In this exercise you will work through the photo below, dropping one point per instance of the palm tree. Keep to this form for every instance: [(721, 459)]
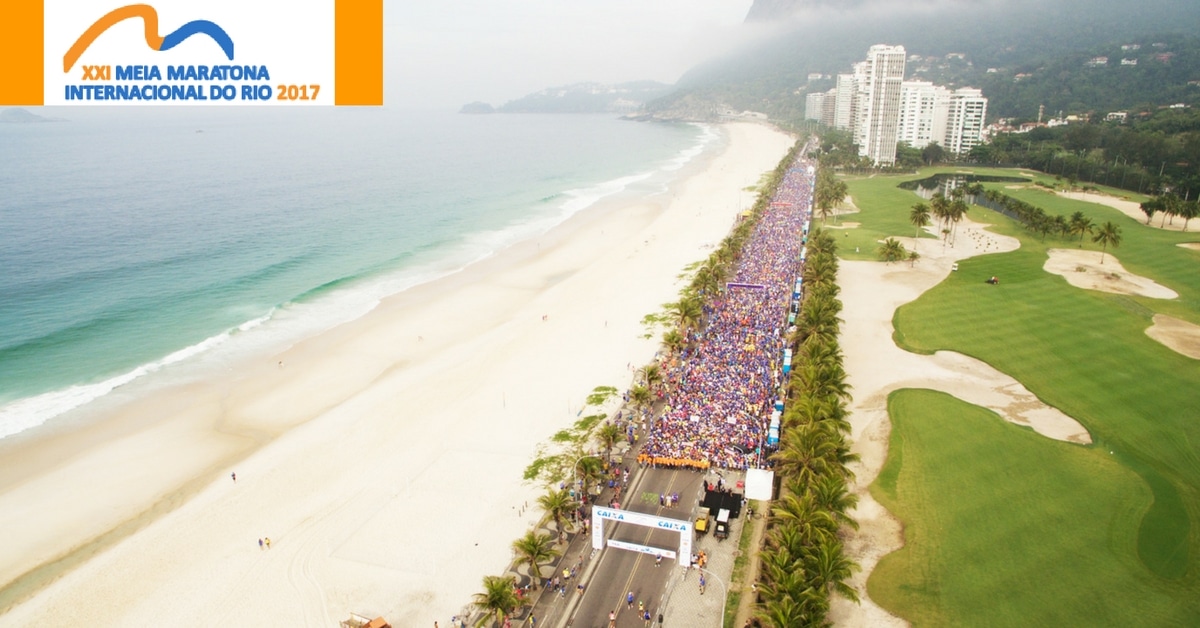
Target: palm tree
[(557, 505), (1059, 224), (891, 250), (1189, 210), (830, 493), (830, 569), (940, 207), (1151, 207), (788, 612), (608, 436), (1108, 234), (673, 341), (1081, 225), (919, 217), (687, 312), (805, 453), (913, 256), (640, 396), (499, 598), (591, 470), (652, 376), (958, 210), (532, 549)]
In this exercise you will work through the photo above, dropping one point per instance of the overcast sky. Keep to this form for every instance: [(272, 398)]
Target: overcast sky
[(446, 53)]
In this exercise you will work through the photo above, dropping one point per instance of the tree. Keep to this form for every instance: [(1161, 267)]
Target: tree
[(687, 312), (498, 599), (557, 505), (1081, 225), (652, 376), (608, 435), (831, 569), (919, 217), (641, 396), (591, 471), (673, 340), (1151, 207), (1189, 210), (932, 153), (1108, 234), (891, 250), (532, 549), (913, 256)]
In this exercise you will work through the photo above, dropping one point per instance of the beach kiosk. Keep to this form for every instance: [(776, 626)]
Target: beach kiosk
[(787, 361), (773, 430)]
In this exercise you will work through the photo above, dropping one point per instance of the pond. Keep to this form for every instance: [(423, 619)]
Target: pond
[(945, 182)]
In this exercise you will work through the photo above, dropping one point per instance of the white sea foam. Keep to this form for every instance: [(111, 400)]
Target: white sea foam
[(29, 412), (282, 326)]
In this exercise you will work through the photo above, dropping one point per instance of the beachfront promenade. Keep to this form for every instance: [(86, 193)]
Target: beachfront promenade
[(714, 419)]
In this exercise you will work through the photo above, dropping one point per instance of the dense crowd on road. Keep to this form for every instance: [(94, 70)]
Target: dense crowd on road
[(722, 386)]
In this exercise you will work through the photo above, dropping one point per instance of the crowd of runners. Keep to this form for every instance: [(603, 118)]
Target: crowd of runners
[(724, 386)]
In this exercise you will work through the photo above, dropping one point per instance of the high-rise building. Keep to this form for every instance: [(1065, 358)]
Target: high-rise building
[(829, 107), (923, 111), (814, 105), (964, 121), (844, 109), (880, 93)]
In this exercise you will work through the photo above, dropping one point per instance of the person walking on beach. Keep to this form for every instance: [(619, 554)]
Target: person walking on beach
[(268, 542), (234, 476), (260, 544)]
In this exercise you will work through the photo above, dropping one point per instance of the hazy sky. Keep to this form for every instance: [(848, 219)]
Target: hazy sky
[(449, 52)]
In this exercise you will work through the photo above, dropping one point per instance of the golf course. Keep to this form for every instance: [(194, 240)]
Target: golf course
[(1001, 525)]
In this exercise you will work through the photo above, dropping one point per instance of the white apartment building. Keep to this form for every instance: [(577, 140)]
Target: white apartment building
[(924, 108), (814, 104), (844, 110), (879, 103), (964, 121)]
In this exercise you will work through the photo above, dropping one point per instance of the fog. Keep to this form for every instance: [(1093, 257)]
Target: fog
[(443, 54)]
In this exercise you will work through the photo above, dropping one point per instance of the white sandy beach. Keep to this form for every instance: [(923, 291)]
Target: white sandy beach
[(383, 458)]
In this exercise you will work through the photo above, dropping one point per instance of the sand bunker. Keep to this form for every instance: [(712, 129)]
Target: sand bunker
[(1195, 246), (1083, 269), (1178, 335), (844, 225), (1129, 208)]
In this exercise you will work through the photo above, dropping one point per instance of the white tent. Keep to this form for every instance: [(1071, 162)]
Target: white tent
[(760, 484)]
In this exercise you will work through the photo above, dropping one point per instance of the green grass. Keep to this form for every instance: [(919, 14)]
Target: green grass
[(1086, 353), (1006, 528)]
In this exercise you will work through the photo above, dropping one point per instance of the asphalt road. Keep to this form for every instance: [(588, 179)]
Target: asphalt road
[(620, 571)]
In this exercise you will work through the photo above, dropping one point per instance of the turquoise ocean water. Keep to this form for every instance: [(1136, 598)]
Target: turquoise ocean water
[(137, 241)]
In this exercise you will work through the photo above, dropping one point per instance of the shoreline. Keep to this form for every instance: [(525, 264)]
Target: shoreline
[(331, 463)]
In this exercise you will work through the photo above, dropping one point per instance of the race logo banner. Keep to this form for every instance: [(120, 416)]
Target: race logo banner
[(191, 52)]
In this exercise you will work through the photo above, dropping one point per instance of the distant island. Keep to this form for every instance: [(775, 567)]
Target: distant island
[(477, 107), (17, 115), (622, 98)]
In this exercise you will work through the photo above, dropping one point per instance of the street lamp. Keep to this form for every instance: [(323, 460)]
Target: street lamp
[(724, 593), (575, 471)]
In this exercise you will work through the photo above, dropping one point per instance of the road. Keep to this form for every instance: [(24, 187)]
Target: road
[(620, 571)]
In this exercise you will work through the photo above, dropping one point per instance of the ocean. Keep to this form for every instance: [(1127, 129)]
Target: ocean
[(135, 242)]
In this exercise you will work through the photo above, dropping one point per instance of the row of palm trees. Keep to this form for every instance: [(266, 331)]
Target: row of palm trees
[(1037, 220), (1173, 206), (498, 598), (828, 193), (804, 560)]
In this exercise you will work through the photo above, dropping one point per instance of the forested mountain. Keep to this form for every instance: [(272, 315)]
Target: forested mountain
[(1049, 40)]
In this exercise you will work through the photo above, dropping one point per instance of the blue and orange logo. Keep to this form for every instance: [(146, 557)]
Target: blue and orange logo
[(150, 19)]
